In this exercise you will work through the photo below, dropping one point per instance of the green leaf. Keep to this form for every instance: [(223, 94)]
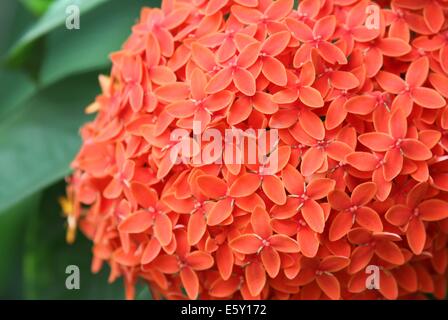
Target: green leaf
[(16, 87), (28, 57), (54, 17), (12, 230), (47, 256), (14, 20), (38, 142), (38, 7), (143, 292), (101, 32)]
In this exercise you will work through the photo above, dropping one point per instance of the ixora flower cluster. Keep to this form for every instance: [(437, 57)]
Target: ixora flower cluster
[(356, 90)]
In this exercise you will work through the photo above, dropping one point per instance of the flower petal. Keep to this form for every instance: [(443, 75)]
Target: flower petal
[(273, 187), (255, 278), (433, 210), (151, 251), (362, 161), (283, 243), (428, 98), (341, 225), (363, 193), (244, 81), (299, 30), (329, 285), (393, 47), (390, 252), (369, 219), (196, 228), (136, 223), (163, 229), (190, 282), (393, 164), (271, 261), (221, 80), (416, 235), (246, 244), (274, 71), (244, 185), (313, 214), (199, 260), (261, 222), (219, 212), (390, 82), (311, 97), (312, 160), (308, 242), (319, 188), (224, 261), (415, 150), (417, 72), (376, 141)]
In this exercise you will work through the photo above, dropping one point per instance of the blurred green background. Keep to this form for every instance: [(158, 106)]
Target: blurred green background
[(48, 75)]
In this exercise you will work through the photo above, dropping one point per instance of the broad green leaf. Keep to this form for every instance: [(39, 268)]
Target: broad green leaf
[(16, 87), (12, 230), (38, 7), (54, 17), (143, 292), (39, 140), (47, 257), (7, 13), (28, 59), (14, 20), (101, 32)]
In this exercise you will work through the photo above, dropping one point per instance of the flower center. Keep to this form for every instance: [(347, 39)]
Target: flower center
[(398, 143), (322, 144), (416, 212), (304, 197), (265, 243), (197, 103), (317, 40)]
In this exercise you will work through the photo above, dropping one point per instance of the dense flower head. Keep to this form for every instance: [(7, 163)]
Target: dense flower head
[(357, 90)]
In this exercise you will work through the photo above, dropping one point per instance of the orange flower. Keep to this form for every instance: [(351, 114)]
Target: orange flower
[(317, 39), (356, 178), (322, 272), (413, 214), (369, 243), (200, 107), (264, 243), (236, 71), (410, 90), (396, 145), (353, 209), (432, 12)]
